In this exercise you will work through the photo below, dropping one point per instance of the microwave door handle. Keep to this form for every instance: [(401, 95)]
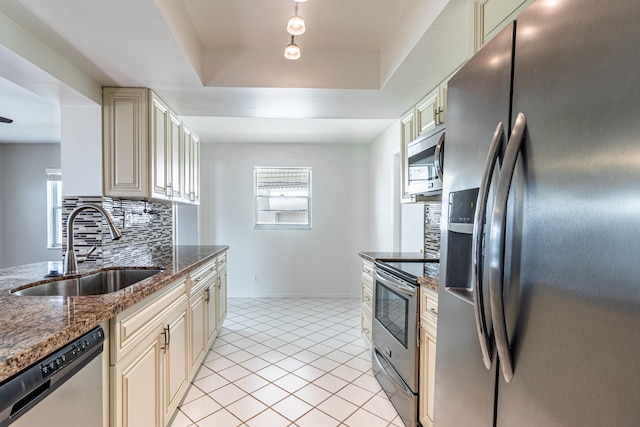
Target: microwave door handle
[(438, 157), (404, 289), (478, 237), (497, 247)]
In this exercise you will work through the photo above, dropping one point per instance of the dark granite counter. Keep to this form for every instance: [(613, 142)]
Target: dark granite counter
[(424, 280), (394, 256), (31, 327)]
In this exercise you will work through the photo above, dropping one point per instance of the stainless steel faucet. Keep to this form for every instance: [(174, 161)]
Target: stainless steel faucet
[(70, 261)]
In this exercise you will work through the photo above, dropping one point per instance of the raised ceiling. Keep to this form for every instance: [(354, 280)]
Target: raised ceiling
[(220, 64)]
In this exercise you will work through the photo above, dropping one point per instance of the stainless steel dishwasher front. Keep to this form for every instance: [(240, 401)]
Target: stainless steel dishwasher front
[(63, 389)]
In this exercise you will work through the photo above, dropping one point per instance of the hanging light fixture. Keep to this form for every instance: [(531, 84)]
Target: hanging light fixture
[(292, 51), (295, 26)]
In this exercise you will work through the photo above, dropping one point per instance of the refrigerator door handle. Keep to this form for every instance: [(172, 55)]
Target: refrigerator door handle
[(478, 245), (438, 156), (497, 245)]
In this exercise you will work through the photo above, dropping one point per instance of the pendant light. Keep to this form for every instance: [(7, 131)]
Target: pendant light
[(292, 51), (295, 26)]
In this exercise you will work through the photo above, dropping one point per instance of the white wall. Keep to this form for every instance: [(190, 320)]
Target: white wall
[(384, 188), (394, 227), (81, 136), (412, 227), (321, 262), (24, 207)]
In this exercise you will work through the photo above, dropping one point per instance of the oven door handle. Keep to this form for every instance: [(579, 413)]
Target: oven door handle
[(394, 283)]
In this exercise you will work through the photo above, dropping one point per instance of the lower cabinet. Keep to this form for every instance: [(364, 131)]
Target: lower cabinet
[(157, 345), (428, 334), (136, 386), (149, 363), (366, 299), (202, 311), (221, 291)]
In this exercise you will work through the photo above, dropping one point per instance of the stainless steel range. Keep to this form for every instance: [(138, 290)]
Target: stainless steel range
[(396, 295)]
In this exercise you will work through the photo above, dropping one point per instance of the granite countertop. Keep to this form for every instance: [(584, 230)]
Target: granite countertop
[(395, 256), (430, 282), (31, 327)]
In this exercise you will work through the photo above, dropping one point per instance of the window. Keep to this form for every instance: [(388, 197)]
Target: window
[(54, 208), (282, 198)]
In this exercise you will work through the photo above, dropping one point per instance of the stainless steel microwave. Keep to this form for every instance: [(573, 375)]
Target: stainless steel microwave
[(423, 171)]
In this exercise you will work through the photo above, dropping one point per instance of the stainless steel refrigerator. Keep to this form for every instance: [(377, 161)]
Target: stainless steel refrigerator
[(539, 301)]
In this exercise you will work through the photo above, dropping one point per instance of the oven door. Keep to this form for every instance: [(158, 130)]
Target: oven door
[(395, 325)]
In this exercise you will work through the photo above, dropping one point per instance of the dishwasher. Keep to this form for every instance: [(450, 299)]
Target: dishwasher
[(64, 388)]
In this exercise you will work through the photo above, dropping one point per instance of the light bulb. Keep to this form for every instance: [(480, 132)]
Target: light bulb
[(292, 51), (295, 26)]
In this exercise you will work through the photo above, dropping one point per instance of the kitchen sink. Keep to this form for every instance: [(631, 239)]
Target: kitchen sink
[(102, 282)]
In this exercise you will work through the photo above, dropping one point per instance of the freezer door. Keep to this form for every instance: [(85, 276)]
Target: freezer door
[(478, 99), (573, 296)]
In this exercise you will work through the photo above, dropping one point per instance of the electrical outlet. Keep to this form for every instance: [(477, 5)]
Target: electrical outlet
[(128, 219), (256, 278)]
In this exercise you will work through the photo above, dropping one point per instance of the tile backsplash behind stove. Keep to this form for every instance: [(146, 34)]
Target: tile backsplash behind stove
[(432, 215), (146, 228)]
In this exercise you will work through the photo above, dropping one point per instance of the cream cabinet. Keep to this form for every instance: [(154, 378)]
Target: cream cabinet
[(221, 290), (147, 151), (203, 312), (428, 334), (491, 16), (166, 146), (149, 358), (429, 113), (191, 172), (366, 289)]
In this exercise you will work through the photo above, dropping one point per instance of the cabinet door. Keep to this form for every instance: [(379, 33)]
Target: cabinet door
[(221, 294), (198, 306), (125, 165), (427, 373), (136, 388), (187, 174), (175, 359), (212, 312), (491, 16), (177, 152), (195, 169), (427, 112), (160, 148)]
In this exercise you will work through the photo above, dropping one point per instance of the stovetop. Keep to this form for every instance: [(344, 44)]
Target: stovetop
[(407, 270)]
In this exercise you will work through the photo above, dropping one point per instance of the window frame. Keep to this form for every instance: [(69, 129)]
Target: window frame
[(285, 225)]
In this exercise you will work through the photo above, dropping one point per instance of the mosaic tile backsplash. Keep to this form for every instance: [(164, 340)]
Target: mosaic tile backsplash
[(432, 216), (146, 227)]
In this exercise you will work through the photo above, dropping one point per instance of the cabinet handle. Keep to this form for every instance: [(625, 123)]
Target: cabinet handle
[(167, 337), (367, 299), (169, 191), (208, 292)]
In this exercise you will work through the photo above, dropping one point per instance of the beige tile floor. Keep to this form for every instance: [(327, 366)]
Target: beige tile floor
[(288, 362)]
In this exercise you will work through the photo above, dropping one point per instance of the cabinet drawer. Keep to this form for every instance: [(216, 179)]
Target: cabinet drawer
[(367, 268), (428, 305), (365, 326), (367, 296), (202, 276), (222, 260), (136, 323)]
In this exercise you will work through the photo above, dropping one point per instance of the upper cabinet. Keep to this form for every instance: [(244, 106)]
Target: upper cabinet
[(429, 113), (147, 150), (491, 16)]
